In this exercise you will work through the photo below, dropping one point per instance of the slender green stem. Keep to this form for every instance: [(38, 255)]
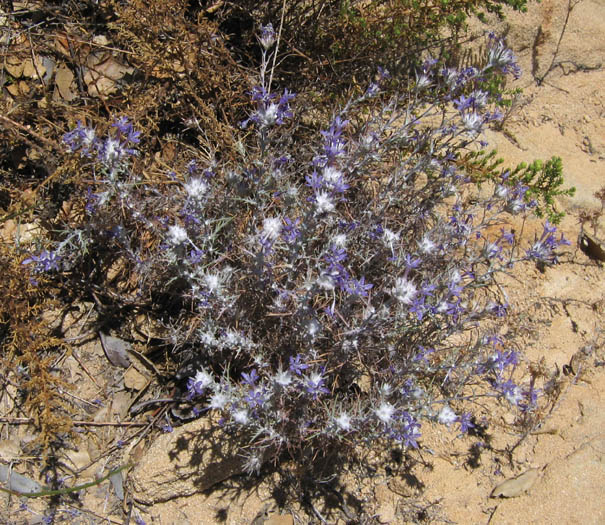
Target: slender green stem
[(68, 490)]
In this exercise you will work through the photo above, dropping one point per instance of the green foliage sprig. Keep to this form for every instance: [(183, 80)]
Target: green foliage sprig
[(543, 178)]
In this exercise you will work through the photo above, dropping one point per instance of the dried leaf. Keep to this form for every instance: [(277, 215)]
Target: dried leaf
[(116, 350), (14, 66), (4, 23), (49, 65), (64, 79), (34, 69), (28, 232), (118, 484), (62, 44), (137, 453), (71, 46), (9, 449), (120, 403), (18, 89), (100, 40), (514, 487), (134, 380), (79, 458), (18, 482), (103, 72), (110, 67)]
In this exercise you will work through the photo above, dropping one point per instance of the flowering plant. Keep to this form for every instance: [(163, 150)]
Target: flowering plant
[(333, 291)]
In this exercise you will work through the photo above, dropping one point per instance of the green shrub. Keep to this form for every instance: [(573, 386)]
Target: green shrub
[(336, 41)]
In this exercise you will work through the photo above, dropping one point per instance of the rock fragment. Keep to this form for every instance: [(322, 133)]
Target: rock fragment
[(514, 487)]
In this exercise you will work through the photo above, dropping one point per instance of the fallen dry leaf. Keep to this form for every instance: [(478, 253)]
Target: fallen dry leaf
[(13, 90), (103, 72), (514, 487), (23, 232), (18, 482), (100, 40), (117, 481), (116, 350), (120, 403), (14, 66), (62, 44), (3, 22), (34, 69), (18, 89), (9, 450), (71, 46), (64, 79), (79, 458), (134, 380), (137, 452)]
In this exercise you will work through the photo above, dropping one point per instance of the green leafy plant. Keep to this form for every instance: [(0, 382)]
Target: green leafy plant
[(338, 41), (544, 179)]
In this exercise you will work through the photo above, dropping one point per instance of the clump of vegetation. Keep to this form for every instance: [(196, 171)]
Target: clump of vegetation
[(330, 42), (312, 292), (318, 274), (27, 347)]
